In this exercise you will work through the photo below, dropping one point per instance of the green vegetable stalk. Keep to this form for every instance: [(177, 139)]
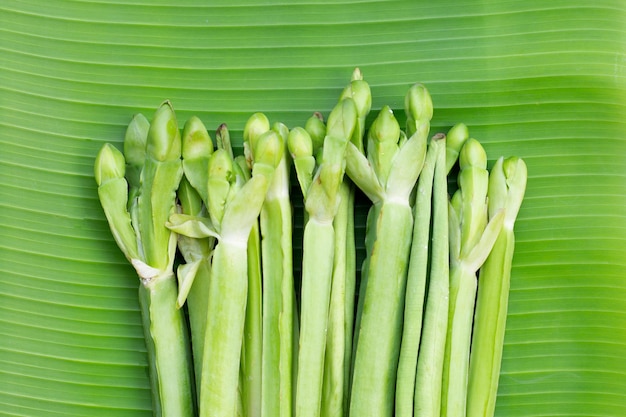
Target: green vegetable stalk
[(507, 185), (427, 401), (320, 187), (250, 378), (338, 359), (233, 208), (416, 285), (150, 247), (194, 275), (471, 240), (387, 176), (278, 285)]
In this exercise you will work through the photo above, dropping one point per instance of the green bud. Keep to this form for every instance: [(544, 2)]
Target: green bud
[(472, 155), (256, 125), (317, 130), (282, 130), (512, 167), (135, 140), (359, 91), (268, 149), (385, 127), (507, 186), (456, 137), (342, 119), (418, 104), (196, 142), (299, 143), (164, 141), (220, 178), (109, 165)]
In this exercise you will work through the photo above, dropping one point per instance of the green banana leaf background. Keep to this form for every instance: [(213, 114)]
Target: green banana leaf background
[(541, 79)]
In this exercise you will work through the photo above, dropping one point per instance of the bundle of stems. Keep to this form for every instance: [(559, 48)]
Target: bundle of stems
[(471, 241), (387, 176), (320, 181), (507, 185), (153, 153), (234, 203), (338, 355), (426, 335)]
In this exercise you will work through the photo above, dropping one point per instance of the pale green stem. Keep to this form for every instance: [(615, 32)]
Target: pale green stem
[(169, 356), (317, 266), (463, 287), (433, 340), (197, 254), (350, 299), (224, 334), (378, 344), (489, 327), (278, 297), (416, 287), (335, 375), (252, 344), (507, 185)]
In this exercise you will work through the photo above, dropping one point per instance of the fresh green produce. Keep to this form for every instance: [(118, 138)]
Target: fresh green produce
[(387, 176), (507, 185), (150, 247), (233, 206), (425, 337), (433, 340), (321, 201), (416, 285), (278, 305), (471, 240), (338, 359)]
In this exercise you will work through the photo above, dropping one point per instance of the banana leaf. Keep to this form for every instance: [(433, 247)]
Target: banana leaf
[(541, 79)]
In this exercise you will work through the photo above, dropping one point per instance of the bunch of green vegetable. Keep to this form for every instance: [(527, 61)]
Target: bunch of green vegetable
[(232, 330)]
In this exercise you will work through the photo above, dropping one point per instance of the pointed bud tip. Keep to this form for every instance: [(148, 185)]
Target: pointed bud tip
[(385, 128), (135, 140), (457, 136), (268, 149), (472, 154), (514, 166), (316, 130), (196, 142), (256, 125), (164, 142), (110, 164), (299, 143), (342, 119), (418, 103)]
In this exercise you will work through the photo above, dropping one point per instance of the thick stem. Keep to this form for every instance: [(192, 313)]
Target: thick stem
[(416, 288), (378, 345), (197, 308), (334, 367), (169, 356), (278, 301), (317, 269), (463, 287), (489, 327), (433, 341), (228, 290)]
